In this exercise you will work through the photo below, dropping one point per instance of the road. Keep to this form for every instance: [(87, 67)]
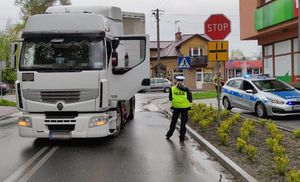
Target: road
[(139, 153)]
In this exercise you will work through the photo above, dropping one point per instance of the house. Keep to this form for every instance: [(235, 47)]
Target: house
[(201, 72)]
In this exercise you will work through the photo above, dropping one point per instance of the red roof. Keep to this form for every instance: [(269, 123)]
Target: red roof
[(240, 64)]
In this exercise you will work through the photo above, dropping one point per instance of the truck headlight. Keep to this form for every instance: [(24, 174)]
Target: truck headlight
[(98, 121), (275, 101), (25, 121)]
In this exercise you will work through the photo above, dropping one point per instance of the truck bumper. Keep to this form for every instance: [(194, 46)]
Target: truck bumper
[(63, 128)]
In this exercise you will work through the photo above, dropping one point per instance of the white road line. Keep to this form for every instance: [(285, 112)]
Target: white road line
[(14, 176), (38, 165)]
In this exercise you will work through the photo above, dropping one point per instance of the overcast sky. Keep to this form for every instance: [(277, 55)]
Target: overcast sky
[(191, 14)]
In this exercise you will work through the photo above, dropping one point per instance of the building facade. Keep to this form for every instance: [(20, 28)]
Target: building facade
[(237, 68), (274, 24), (201, 73)]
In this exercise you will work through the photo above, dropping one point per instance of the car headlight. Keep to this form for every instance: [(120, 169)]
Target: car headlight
[(98, 121), (275, 101), (25, 121)]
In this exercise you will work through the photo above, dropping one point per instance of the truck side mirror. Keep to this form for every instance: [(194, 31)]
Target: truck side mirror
[(114, 58), (13, 49), (115, 43)]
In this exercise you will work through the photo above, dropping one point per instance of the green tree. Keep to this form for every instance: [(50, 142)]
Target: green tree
[(32, 7)]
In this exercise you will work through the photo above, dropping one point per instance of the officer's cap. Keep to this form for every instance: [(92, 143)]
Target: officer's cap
[(179, 78)]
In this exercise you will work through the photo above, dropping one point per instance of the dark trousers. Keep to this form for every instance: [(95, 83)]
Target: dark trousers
[(184, 120)]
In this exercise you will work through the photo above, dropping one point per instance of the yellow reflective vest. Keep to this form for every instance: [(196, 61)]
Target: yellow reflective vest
[(179, 98)]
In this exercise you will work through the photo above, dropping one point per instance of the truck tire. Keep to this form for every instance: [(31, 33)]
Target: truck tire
[(132, 108), (119, 121)]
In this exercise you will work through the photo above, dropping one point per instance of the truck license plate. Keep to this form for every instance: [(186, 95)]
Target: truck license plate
[(296, 108), (60, 135)]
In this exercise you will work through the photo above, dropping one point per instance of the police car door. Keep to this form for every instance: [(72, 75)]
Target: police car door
[(248, 95), (133, 66), (234, 93)]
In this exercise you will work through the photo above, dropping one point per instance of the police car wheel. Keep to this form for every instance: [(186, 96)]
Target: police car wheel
[(226, 103), (260, 110), (167, 90)]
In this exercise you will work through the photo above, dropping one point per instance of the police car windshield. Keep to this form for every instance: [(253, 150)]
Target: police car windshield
[(272, 85)]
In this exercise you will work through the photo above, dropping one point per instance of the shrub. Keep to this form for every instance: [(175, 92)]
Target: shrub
[(263, 122), (204, 124), (293, 176), (278, 136), (236, 117), (224, 113), (271, 142), (244, 132), (281, 164), (250, 151), (240, 144), (278, 150), (224, 128), (296, 132), (272, 128), (223, 138)]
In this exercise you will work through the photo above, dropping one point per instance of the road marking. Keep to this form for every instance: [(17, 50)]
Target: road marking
[(14, 176), (38, 165)]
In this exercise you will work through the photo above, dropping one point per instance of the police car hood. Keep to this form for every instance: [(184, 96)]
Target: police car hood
[(292, 94)]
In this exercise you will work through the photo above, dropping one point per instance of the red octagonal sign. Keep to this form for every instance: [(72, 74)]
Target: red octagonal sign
[(217, 27)]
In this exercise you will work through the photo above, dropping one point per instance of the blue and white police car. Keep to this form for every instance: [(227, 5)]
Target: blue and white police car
[(261, 94)]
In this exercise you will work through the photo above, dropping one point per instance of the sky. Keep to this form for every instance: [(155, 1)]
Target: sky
[(191, 15)]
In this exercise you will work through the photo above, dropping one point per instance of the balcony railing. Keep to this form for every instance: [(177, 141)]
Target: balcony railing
[(200, 62)]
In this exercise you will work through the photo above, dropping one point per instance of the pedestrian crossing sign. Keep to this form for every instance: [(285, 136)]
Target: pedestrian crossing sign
[(184, 62)]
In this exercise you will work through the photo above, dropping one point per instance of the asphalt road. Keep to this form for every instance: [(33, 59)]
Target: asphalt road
[(140, 153)]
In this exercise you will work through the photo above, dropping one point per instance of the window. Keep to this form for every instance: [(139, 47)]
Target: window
[(247, 86), (195, 52), (67, 54), (235, 84)]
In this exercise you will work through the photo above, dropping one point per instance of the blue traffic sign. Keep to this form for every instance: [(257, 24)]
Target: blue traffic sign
[(184, 62)]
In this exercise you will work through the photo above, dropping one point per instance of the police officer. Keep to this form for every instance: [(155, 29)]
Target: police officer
[(181, 98)]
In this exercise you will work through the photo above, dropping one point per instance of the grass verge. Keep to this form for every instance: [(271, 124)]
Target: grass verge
[(204, 95), (4, 102)]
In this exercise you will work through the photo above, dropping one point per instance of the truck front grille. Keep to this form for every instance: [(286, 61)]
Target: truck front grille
[(66, 96), (55, 96)]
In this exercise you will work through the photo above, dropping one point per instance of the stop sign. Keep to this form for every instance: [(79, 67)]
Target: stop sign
[(217, 27)]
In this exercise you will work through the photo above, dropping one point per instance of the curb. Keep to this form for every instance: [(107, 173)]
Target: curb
[(4, 121), (232, 167)]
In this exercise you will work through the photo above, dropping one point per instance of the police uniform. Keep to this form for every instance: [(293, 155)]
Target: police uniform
[(181, 98)]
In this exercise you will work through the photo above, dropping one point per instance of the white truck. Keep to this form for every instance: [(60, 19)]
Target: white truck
[(79, 70)]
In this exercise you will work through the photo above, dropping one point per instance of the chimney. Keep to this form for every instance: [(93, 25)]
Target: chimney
[(177, 35)]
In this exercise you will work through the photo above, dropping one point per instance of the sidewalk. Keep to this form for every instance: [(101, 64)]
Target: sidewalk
[(6, 110)]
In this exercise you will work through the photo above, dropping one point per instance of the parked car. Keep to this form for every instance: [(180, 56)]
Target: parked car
[(3, 88), (159, 84), (261, 94)]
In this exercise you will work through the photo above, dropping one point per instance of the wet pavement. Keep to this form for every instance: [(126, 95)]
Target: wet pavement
[(139, 153)]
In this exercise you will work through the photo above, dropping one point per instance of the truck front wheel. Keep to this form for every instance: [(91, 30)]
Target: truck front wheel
[(132, 108)]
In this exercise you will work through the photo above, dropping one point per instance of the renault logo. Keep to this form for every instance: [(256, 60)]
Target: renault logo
[(60, 106)]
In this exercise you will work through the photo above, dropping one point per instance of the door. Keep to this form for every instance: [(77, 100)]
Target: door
[(126, 78), (249, 99), (199, 79)]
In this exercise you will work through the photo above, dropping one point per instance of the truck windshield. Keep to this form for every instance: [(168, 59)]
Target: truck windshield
[(66, 54)]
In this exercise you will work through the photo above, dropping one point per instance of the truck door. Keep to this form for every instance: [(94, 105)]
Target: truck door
[(125, 78)]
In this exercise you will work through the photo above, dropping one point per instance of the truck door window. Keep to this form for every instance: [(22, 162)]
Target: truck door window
[(131, 52)]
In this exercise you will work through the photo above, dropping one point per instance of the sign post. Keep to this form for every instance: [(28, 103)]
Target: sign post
[(217, 27)]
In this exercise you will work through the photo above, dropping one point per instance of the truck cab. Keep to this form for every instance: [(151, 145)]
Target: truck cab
[(79, 70)]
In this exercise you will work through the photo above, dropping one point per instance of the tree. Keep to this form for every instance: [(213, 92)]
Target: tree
[(237, 55), (32, 7)]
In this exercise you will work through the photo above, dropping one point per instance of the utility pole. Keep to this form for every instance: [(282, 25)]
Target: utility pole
[(156, 14)]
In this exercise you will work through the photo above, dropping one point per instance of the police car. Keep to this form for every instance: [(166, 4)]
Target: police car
[(261, 94)]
